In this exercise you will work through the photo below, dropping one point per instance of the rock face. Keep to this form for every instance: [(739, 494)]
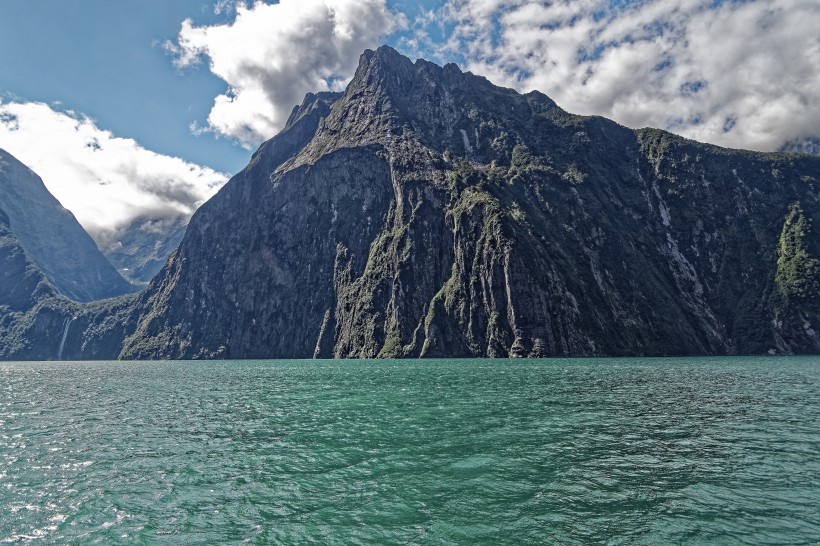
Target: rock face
[(52, 237), (38, 323), (22, 284), (426, 212), (22, 287)]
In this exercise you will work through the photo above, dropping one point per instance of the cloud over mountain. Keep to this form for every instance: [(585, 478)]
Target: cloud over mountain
[(734, 73), (106, 181), (270, 55)]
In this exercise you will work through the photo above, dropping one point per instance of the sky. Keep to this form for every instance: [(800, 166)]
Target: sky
[(144, 108)]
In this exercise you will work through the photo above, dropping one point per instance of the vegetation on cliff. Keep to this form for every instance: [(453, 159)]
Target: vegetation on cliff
[(426, 212)]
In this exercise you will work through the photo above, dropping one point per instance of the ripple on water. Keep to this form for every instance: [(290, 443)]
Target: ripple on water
[(462, 452)]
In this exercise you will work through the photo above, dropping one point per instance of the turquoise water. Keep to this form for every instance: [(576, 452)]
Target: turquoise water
[(643, 451)]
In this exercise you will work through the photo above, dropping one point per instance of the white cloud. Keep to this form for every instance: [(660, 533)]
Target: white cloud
[(741, 74), (227, 6), (106, 181), (270, 55)]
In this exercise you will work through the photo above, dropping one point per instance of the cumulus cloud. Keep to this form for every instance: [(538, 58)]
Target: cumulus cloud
[(734, 73), (106, 181), (270, 55)]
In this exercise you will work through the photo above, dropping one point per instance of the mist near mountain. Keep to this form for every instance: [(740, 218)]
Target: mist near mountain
[(53, 238), (141, 248)]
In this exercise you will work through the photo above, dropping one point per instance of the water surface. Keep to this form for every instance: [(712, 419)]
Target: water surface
[(627, 451)]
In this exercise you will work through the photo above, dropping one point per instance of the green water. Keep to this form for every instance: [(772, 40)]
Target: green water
[(643, 451)]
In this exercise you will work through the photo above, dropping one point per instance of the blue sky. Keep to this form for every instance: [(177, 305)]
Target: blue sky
[(106, 60), (143, 109)]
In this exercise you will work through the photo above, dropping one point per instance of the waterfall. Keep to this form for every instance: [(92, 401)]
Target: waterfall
[(66, 325)]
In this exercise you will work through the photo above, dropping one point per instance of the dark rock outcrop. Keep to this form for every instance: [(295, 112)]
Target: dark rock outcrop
[(426, 212), (430, 213)]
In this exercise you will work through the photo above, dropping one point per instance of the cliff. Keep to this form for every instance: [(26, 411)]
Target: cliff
[(427, 212)]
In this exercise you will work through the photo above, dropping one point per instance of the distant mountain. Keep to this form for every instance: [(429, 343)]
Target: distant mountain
[(426, 212), (804, 146), (142, 248), (38, 323), (53, 238)]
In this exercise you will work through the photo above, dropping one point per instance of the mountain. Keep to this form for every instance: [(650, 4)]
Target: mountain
[(809, 145), (22, 287), (39, 323), (23, 284), (427, 212), (52, 237), (142, 248)]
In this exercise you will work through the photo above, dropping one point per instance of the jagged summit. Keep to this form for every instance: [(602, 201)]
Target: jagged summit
[(388, 61), (311, 103), (392, 101), (425, 212)]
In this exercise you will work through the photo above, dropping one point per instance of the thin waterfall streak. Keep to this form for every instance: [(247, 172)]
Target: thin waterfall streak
[(66, 326)]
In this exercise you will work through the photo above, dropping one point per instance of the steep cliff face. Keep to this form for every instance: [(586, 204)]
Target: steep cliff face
[(22, 284), (426, 212), (24, 290), (53, 238)]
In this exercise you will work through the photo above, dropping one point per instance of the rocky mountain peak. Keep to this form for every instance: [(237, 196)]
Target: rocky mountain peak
[(383, 68), (396, 74), (403, 106), (426, 212), (311, 103)]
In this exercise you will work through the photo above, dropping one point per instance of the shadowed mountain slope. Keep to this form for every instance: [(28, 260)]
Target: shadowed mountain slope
[(38, 323), (53, 238), (426, 212)]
